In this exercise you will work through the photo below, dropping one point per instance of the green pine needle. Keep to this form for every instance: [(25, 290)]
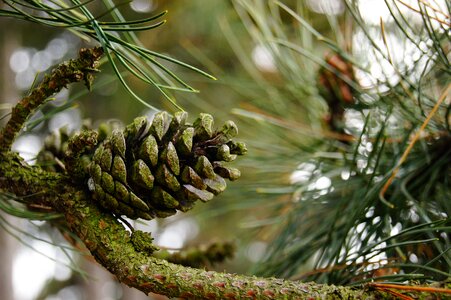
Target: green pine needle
[(329, 223), (117, 37)]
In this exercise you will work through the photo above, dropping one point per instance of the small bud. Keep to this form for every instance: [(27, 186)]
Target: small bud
[(104, 130), (142, 241)]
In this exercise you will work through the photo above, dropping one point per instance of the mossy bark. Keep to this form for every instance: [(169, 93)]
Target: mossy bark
[(111, 245), (76, 70)]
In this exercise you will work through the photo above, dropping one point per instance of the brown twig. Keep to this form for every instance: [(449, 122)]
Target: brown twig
[(426, 289), (396, 294), (410, 146)]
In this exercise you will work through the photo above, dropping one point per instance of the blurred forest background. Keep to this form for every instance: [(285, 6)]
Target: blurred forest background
[(323, 91)]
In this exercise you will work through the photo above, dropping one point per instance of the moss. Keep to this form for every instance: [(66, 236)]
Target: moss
[(23, 180), (128, 257), (143, 242), (72, 71)]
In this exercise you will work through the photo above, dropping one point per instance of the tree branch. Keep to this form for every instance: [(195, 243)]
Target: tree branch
[(110, 243), (76, 70)]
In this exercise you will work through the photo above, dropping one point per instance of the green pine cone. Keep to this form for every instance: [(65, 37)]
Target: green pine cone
[(154, 168)]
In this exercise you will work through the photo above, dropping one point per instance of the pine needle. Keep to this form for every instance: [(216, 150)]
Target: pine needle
[(411, 144)]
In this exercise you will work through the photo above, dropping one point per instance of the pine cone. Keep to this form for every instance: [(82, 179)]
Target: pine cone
[(51, 156), (152, 169)]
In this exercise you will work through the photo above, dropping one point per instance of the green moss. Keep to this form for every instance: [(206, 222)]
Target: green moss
[(128, 257), (143, 242), (72, 71)]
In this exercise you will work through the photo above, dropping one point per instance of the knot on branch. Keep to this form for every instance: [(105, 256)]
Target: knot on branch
[(77, 70), (201, 256)]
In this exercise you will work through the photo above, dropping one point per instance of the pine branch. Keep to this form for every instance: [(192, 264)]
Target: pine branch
[(359, 225), (110, 243), (123, 48), (77, 70)]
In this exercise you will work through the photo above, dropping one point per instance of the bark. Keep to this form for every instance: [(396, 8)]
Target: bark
[(73, 71), (111, 244)]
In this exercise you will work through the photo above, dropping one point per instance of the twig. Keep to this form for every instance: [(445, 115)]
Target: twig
[(75, 70), (412, 143), (396, 294), (436, 18), (426, 289)]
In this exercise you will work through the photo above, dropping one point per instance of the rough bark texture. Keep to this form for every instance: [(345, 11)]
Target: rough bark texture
[(110, 244), (73, 71), (106, 238)]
